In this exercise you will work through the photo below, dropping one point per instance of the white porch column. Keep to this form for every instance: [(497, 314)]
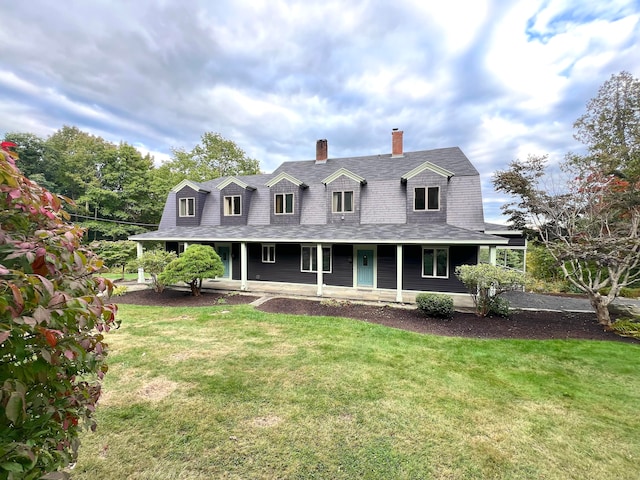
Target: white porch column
[(139, 252), (492, 254), (319, 265), (399, 273), (243, 266)]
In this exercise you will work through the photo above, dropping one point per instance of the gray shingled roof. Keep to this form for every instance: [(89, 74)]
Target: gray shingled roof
[(406, 234), (380, 167), (371, 167)]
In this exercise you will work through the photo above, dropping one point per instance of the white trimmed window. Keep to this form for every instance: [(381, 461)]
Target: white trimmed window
[(187, 207), (268, 253), (342, 202), (283, 203), (426, 198), (232, 205), (309, 259), (435, 262)]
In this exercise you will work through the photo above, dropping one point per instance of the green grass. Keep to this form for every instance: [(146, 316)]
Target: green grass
[(230, 392), (113, 276)]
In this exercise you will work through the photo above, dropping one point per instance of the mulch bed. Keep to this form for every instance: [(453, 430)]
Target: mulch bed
[(182, 298), (540, 325)]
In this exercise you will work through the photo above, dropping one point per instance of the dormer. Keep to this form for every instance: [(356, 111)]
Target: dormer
[(285, 199), (190, 198), (235, 200), (426, 192), (343, 189)]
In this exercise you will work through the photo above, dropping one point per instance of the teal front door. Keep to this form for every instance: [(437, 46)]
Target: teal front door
[(224, 254), (365, 268)]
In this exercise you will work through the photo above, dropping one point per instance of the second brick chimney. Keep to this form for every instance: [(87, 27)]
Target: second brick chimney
[(396, 143), (322, 151)]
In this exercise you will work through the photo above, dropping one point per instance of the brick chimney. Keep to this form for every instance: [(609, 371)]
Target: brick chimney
[(396, 143), (322, 151)]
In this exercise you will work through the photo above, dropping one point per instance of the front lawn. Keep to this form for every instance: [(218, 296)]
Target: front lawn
[(230, 392)]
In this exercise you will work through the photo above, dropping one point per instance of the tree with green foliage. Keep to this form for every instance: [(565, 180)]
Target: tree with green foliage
[(213, 157), (115, 254), (78, 156), (154, 262), (541, 265), (591, 225), (122, 195), (196, 263), (53, 318), (485, 283), (34, 159)]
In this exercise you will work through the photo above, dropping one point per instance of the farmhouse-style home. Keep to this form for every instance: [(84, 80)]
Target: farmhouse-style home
[(401, 221)]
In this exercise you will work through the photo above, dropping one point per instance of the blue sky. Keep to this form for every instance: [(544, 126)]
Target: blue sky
[(500, 79)]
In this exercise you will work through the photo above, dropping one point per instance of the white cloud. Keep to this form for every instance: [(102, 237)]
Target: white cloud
[(499, 79)]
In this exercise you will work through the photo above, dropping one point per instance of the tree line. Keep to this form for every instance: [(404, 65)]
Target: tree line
[(115, 190)]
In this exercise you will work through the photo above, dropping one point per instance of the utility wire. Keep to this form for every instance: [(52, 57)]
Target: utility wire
[(113, 221)]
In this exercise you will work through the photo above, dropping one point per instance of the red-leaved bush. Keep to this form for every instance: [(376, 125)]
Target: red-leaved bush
[(53, 315)]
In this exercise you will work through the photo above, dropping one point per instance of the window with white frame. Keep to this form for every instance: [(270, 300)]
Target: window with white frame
[(283, 203), (309, 259), (187, 207), (426, 198), (342, 202), (435, 262), (268, 253), (232, 205)]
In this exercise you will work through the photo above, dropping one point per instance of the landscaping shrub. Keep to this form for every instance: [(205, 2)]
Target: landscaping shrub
[(154, 262), (629, 292), (626, 327), (435, 305), (499, 307), (54, 313), (486, 282)]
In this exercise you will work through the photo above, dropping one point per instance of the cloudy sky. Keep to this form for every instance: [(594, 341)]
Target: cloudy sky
[(499, 78)]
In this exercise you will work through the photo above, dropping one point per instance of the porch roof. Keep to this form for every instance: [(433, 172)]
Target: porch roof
[(433, 234)]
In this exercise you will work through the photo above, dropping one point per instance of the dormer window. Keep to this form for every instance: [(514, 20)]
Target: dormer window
[(342, 202), (187, 207), (283, 203), (426, 198), (232, 205)]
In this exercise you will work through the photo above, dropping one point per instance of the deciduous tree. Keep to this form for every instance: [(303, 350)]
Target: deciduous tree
[(213, 157), (590, 223), (154, 262), (115, 254)]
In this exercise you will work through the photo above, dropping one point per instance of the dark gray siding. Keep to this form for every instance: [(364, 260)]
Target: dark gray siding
[(245, 195), (200, 197), (412, 270), (285, 269), (341, 266), (285, 186), (387, 267), (235, 261)]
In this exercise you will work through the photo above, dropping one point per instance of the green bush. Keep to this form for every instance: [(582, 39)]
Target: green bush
[(486, 282), (629, 292), (195, 264), (435, 305), (499, 307), (626, 327)]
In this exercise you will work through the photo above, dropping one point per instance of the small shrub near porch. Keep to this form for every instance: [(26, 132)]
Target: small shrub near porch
[(435, 305)]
